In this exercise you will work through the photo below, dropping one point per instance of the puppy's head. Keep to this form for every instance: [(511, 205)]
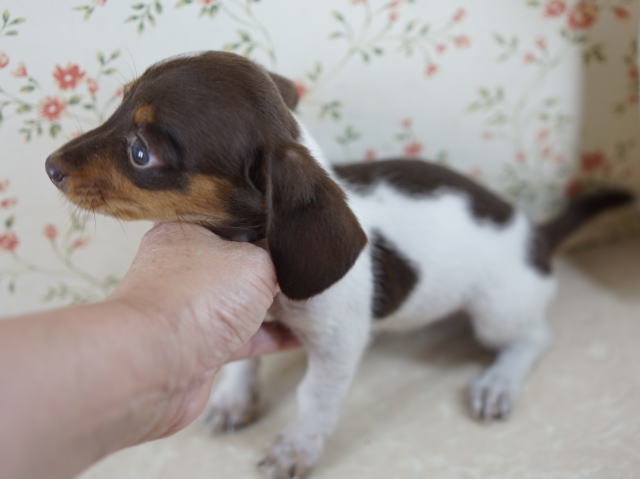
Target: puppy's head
[(209, 139)]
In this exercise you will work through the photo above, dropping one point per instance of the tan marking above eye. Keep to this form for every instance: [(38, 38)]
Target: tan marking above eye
[(144, 115)]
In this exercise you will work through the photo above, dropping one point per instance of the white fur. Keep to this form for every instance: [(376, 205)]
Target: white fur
[(463, 264)]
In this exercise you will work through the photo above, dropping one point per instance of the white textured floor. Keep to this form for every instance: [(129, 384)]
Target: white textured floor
[(406, 416)]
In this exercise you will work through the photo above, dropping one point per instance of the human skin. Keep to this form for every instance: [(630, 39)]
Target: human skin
[(79, 383)]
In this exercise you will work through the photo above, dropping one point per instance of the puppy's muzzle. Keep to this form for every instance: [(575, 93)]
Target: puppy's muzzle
[(55, 171)]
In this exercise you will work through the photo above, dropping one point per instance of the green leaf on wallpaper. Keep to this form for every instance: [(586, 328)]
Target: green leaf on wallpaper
[(499, 38), (182, 3), (109, 71), (140, 28), (8, 223), (11, 33), (410, 26), (5, 16), (17, 21), (115, 54), (338, 16), (54, 130), (88, 106), (11, 287), (244, 35), (335, 35), (75, 99), (158, 8), (365, 56), (138, 6), (378, 50), (27, 89), (152, 19), (424, 30), (131, 19)]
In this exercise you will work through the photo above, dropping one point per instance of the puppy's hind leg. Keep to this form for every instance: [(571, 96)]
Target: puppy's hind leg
[(520, 336), (234, 401)]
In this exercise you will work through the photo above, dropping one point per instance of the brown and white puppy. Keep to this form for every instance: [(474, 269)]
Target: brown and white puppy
[(211, 139)]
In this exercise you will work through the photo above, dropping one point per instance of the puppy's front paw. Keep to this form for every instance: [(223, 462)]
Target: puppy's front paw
[(291, 458), (226, 413), (492, 395)]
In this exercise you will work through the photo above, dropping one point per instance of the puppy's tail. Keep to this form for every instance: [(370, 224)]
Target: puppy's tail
[(579, 212)]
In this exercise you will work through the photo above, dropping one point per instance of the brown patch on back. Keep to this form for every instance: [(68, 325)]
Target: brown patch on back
[(144, 115), (394, 276), (101, 187), (417, 177)]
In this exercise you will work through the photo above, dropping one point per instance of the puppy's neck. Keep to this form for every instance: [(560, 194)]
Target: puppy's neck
[(306, 140)]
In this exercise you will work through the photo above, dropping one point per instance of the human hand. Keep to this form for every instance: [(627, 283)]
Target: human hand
[(205, 299)]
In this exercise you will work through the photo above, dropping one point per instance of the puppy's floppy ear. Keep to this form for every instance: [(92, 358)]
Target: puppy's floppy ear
[(287, 90), (313, 236)]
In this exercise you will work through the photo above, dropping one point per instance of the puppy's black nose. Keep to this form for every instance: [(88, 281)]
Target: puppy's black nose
[(55, 172)]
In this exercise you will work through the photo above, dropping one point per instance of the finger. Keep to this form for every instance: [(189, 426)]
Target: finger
[(271, 338)]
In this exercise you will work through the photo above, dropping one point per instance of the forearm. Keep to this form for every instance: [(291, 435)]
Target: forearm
[(107, 355)]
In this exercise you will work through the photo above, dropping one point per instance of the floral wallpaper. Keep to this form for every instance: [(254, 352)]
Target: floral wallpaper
[(536, 98)]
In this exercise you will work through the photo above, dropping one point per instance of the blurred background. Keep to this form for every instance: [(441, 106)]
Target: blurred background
[(537, 98)]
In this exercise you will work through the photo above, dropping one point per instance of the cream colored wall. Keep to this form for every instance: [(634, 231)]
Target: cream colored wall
[(536, 98)]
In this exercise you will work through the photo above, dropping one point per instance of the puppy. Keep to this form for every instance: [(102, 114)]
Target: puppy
[(396, 244)]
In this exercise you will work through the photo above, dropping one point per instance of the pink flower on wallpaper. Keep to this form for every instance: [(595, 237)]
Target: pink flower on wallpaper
[(621, 12), (554, 8), (560, 159), (120, 92), (21, 71), (521, 157), (573, 188), (393, 16), (431, 69), (92, 86), (413, 149), (370, 154), (207, 2), (4, 184), (459, 15), (80, 243), (633, 73), (4, 59), (441, 48), (52, 108), (632, 100), (591, 161), (9, 241), (355, 2), (461, 41), (301, 88), (529, 57), (407, 123), (583, 15), (543, 134), (487, 135), (50, 232), (100, 3), (68, 78), (541, 43), (475, 172), (8, 203)]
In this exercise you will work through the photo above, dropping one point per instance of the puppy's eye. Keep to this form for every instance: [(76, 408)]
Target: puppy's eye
[(140, 155)]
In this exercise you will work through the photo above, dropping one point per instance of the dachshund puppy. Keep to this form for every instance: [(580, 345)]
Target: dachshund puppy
[(396, 244)]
